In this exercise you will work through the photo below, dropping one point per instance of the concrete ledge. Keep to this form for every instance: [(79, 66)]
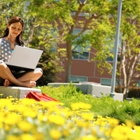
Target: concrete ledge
[(16, 92), (84, 87), (95, 89), (117, 96)]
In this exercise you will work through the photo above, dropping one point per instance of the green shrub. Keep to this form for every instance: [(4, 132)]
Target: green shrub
[(104, 106)]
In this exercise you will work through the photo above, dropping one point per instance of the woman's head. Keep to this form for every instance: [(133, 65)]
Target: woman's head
[(15, 29)]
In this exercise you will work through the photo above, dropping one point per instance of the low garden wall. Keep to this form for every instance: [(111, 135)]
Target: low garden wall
[(97, 90)]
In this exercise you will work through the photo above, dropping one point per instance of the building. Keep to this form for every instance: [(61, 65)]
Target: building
[(84, 70)]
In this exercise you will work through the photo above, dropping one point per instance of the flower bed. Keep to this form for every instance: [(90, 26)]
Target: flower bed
[(27, 119)]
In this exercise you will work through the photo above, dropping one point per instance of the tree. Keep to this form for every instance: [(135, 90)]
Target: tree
[(37, 34), (64, 15), (55, 21), (96, 22), (51, 23), (129, 51)]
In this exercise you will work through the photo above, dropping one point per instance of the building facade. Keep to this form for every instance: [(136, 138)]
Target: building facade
[(84, 70)]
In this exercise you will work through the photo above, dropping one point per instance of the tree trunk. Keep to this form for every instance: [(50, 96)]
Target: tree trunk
[(119, 66), (31, 33), (129, 74), (69, 60)]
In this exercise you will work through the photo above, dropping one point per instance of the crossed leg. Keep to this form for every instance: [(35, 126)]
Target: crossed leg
[(27, 80), (8, 83), (31, 77)]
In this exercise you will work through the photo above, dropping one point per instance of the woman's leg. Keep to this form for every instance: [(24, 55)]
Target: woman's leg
[(6, 74), (31, 76)]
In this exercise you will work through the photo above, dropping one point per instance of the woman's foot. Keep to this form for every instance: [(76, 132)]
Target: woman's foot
[(30, 84), (6, 83), (33, 84)]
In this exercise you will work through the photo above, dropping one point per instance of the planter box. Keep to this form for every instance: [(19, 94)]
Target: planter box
[(16, 92), (95, 89)]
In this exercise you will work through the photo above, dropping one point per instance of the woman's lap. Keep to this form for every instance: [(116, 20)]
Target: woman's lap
[(18, 74)]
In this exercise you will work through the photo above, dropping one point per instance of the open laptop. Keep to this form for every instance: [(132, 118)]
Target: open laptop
[(24, 58)]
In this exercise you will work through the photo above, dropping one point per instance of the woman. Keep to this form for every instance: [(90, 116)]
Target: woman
[(13, 36)]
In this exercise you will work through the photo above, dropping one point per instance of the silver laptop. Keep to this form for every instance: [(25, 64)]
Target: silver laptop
[(24, 58)]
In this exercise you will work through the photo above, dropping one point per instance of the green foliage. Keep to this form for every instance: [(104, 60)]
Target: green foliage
[(51, 23), (104, 106), (130, 40), (38, 33)]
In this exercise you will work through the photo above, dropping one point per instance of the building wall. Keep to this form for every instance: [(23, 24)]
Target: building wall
[(83, 68)]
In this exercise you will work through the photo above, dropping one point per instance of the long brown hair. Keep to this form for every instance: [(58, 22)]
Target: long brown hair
[(14, 20)]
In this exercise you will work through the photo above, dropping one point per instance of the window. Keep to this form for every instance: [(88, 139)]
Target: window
[(82, 1), (53, 47), (54, 42), (111, 45), (80, 51), (77, 79), (107, 81), (138, 84), (77, 54)]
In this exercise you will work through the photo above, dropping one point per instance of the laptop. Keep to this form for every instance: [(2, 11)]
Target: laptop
[(24, 58)]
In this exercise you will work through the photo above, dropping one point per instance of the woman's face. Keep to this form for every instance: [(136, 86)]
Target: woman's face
[(15, 29)]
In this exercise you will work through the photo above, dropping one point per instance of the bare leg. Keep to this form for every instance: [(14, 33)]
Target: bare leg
[(8, 83), (5, 73), (30, 76)]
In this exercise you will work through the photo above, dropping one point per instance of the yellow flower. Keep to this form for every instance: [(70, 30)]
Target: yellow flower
[(56, 119), (87, 116), (89, 137), (113, 122), (42, 117), (137, 129), (12, 118), (130, 123), (28, 102), (121, 132), (25, 126), (12, 137), (101, 121), (67, 113), (2, 117), (39, 136), (82, 124), (7, 127), (66, 132), (50, 104), (93, 131), (136, 132), (55, 134), (4, 102), (1, 125), (30, 112), (12, 107), (80, 105), (27, 137)]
